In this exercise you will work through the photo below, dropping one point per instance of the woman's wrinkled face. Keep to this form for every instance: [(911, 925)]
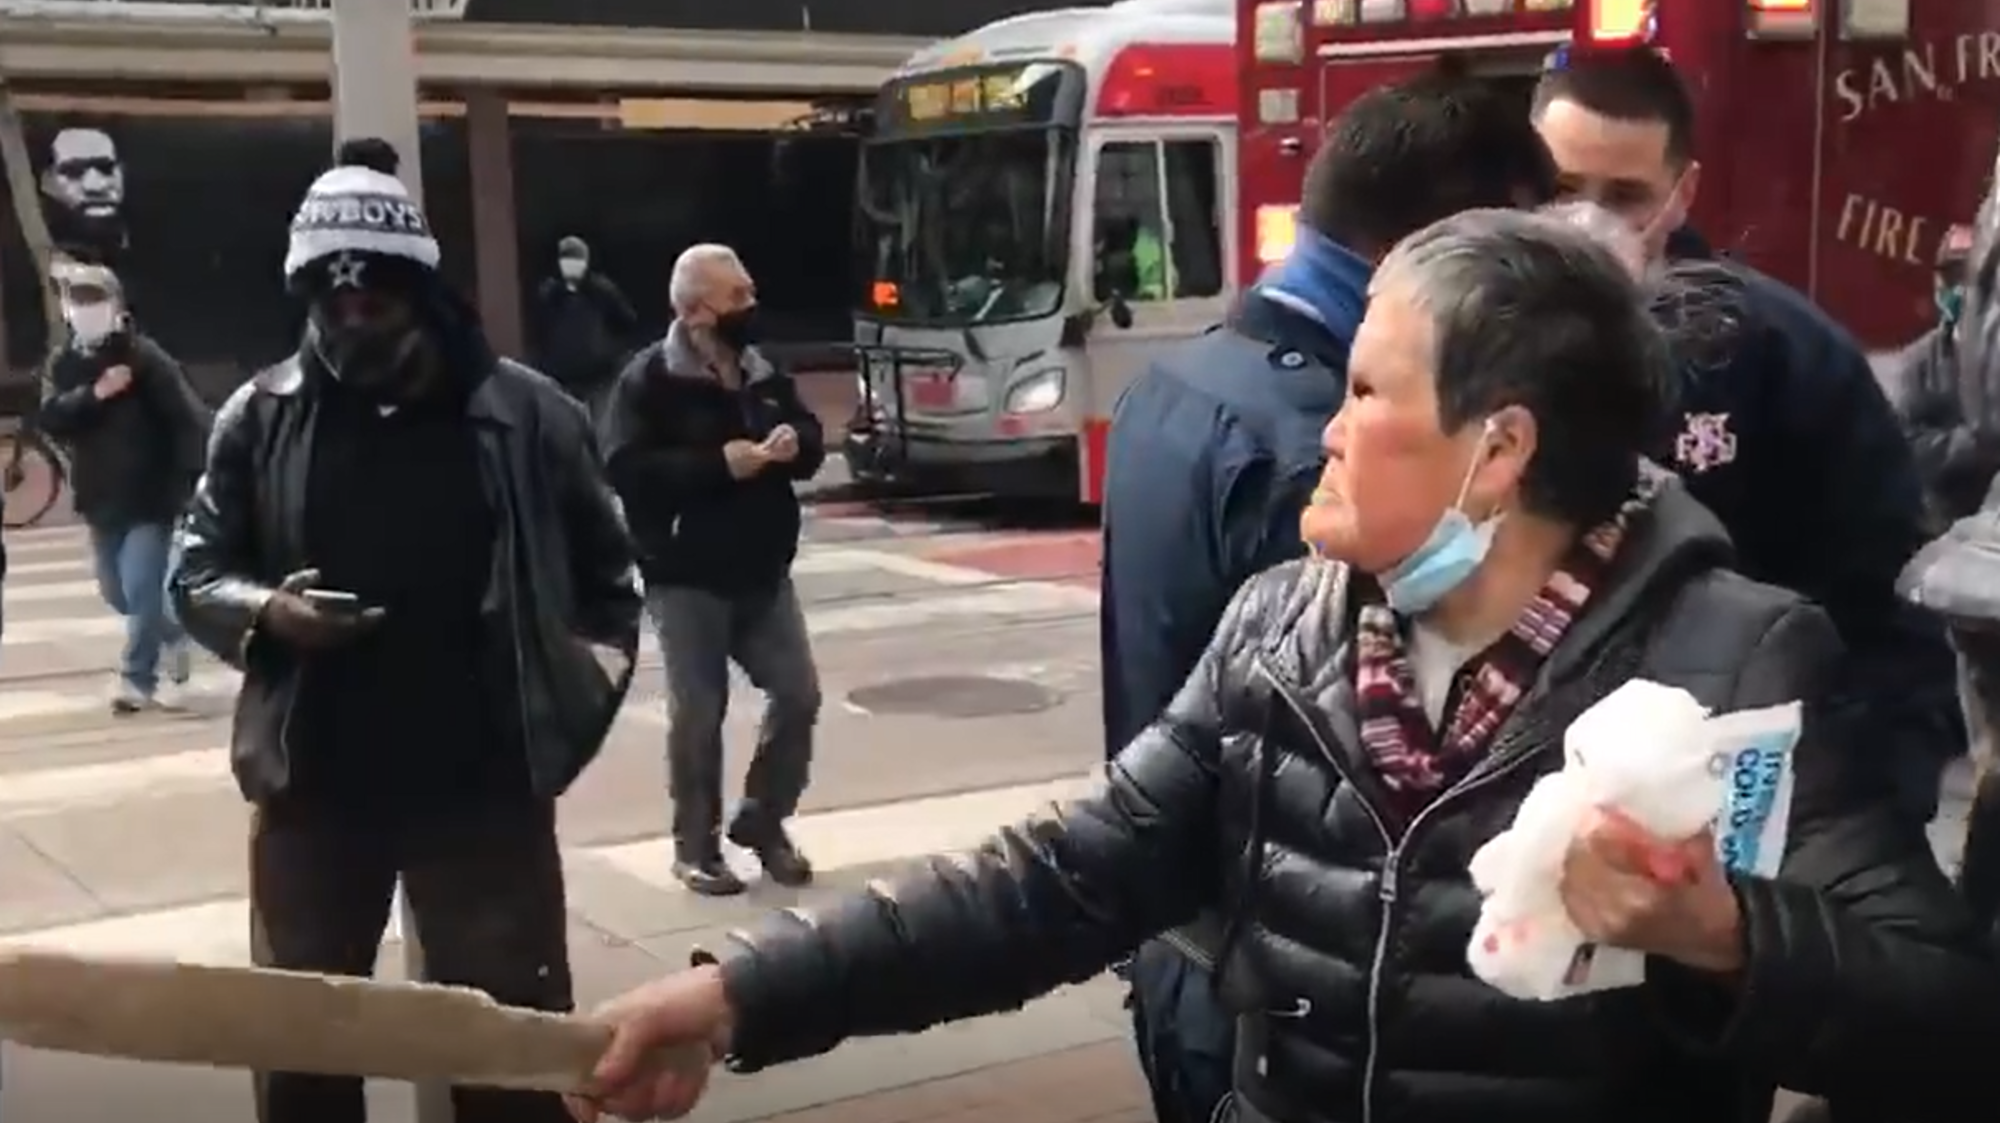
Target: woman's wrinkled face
[(1390, 470)]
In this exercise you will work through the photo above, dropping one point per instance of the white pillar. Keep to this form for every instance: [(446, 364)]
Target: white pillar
[(375, 79), (375, 94)]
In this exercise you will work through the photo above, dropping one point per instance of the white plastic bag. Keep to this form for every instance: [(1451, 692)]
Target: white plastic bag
[(1653, 754)]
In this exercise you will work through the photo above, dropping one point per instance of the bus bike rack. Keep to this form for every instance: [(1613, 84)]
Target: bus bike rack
[(897, 362)]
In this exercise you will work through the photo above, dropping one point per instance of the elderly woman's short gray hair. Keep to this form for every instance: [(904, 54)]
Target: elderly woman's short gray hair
[(1530, 310)]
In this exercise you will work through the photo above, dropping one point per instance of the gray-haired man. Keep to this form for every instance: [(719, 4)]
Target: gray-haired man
[(703, 440)]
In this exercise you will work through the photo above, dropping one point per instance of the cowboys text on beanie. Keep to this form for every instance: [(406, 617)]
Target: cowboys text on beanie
[(359, 207)]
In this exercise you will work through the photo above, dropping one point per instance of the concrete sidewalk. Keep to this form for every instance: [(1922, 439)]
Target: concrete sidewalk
[(1093, 1084)]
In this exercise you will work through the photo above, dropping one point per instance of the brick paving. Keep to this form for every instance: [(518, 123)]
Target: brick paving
[(1094, 1084)]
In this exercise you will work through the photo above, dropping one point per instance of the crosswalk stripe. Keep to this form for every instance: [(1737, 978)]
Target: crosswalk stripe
[(48, 791), (18, 570), (45, 543), (218, 932), (17, 591), (49, 591), (874, 613)]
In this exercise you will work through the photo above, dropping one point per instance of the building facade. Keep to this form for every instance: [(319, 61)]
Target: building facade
[(174, 137)]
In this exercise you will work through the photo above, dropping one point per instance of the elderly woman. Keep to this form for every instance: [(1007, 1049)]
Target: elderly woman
[(1491, 558)]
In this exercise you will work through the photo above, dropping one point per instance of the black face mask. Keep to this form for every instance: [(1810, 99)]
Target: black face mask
[(737, 330), (367, 358)]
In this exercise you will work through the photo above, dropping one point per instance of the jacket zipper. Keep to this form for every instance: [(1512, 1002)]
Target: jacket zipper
[(1389, 887), (1189, 948)]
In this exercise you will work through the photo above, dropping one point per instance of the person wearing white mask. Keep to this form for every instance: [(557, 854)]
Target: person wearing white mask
[(584, 326), (134, 430)]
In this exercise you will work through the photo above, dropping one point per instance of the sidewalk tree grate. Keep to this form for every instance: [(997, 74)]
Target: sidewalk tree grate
[(954, 696)]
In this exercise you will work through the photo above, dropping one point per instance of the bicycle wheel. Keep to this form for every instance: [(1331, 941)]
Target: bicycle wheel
[(34, 489)]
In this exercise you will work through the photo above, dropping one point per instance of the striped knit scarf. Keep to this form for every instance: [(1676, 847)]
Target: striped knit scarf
[(1418, 763)]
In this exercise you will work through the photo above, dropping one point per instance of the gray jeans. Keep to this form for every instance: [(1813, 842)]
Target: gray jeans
[(700, 634)]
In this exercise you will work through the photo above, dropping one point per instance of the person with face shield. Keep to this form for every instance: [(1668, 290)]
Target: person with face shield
[(123, 410), (1956, 575), (704, 439), (583, 325), (407, 546), (1491, 555), (1780, 427)]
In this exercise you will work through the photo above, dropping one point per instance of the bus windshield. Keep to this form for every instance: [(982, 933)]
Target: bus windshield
[(970, 228)]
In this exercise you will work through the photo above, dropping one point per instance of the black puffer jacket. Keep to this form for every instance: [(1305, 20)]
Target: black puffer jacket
[(1347, 969)]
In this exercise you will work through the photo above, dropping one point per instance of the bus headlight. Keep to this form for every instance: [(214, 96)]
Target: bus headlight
[(1038, 393)]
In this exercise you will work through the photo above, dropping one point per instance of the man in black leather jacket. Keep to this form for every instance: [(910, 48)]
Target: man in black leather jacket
[(408, 547), (1493, 557)]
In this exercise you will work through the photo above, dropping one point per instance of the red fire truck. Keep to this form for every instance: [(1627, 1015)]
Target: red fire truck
[(1839, 139)]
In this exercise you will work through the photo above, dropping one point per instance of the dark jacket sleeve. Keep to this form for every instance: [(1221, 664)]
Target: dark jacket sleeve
[(812, 435), (1863, 970), (603, 568), (1161, 499), (618, 314), (1052, 901), (644, 469), (1923, 386), (215, 588), (67, 414), (172, 396), (1859, 501)]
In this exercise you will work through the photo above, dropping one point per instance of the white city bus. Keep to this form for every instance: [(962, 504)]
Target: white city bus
[(1043, 202)]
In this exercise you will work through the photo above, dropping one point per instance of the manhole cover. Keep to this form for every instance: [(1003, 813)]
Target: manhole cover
[(953, 696)]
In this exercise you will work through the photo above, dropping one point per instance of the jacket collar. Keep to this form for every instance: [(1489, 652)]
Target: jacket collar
[(1323, 280), (679, 358), (1674, 537), (486, 403), (1269, 318)]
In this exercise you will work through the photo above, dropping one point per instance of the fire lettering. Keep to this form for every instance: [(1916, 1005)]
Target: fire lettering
[(1878, 228)]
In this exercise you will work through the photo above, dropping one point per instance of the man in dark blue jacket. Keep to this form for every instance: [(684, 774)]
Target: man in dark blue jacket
[(1784, 432), (1215, 448)]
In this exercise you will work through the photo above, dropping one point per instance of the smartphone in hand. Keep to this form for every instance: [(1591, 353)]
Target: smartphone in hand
[(333, 602)]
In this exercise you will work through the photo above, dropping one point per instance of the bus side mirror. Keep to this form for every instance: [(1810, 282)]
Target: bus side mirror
[(1121, 312)]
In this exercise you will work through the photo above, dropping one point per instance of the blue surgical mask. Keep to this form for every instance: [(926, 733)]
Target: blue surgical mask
[(1452, 553)]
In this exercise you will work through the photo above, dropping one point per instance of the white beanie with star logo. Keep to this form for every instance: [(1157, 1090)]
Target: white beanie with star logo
[(359, 207)]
